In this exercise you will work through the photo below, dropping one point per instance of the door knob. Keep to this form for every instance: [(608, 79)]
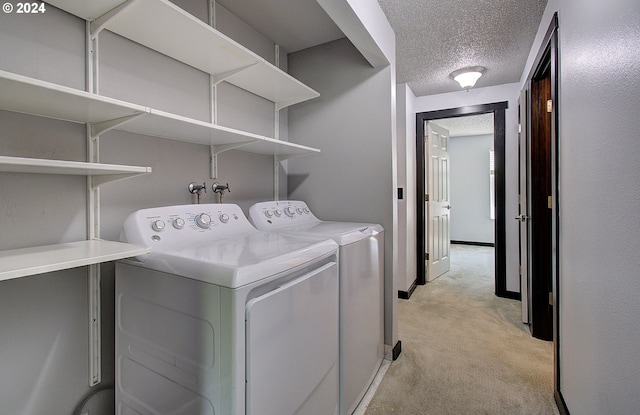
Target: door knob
[(448, 207), (521, 218)]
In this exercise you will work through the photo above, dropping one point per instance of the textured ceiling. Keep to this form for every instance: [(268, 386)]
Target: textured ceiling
[(435, 37)]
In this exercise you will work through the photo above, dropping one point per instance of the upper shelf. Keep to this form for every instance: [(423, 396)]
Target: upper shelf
[(175, 127), (36, 97), (45, 99), (192, 42)]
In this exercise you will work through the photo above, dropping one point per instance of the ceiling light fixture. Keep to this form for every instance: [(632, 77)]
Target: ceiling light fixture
[(467, 77)]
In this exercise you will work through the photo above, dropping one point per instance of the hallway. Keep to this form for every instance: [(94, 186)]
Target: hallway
[(464, 350)]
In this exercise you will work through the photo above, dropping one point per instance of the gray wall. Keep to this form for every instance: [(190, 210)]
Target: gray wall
[(405, 275), (43, 318), (599, 185), (470, 197), (351, 180)]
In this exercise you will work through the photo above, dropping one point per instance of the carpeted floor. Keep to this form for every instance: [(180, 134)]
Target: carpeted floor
[(465, 351)]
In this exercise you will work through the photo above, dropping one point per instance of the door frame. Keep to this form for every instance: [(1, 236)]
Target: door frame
[(498, 110), (541, 188), (550, 44), (524, 225)]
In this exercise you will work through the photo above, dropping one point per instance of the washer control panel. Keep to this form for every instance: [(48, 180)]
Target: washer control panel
[(171, 227), (271, 215)]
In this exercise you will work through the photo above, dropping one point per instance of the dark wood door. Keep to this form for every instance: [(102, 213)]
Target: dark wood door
[(541, 203)]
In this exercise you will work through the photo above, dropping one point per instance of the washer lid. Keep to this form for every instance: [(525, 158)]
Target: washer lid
[(343, 233), (240, 260)]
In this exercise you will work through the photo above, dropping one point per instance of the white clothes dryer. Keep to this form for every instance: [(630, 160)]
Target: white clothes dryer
[(361, 265), (221, 318)]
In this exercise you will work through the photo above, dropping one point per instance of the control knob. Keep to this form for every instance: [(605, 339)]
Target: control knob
[(268, 213), (289, 211), (224, 218), (158, 225), (203, 221), (178, 223), (300, 211), (277, 212)]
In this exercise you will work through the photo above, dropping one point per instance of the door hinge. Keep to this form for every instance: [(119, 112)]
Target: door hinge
[(549, 105), (550, 202), (426, 255), (426, 197), (551, 298)]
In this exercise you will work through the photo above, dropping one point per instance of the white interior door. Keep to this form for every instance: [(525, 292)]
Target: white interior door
[(437, 201), (523, 207)]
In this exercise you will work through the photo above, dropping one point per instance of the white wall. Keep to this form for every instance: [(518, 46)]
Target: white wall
[(43, 318), (500, 93), (470, 194), (599, 198)]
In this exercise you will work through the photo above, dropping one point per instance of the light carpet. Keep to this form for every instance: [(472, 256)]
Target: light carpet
[(464, 350)]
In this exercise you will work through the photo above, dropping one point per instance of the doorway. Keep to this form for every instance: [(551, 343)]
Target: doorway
[(540, 202), (498, 110), (538, 196), (469, 200), (471, 174)]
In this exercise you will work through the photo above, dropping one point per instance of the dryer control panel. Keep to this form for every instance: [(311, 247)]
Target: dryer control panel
[(274, 214)]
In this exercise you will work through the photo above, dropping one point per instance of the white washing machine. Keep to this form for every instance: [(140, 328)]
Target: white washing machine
[(221, 318), (361, 264)]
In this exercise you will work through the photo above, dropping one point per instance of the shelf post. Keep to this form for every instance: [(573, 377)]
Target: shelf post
[(276, 134), (213, 92), (93, 219)]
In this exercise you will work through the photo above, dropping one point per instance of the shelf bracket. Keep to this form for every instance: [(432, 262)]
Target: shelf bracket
[(104, 126), (216, 79), (221, 148), (99, 24), (284, 104), (283, 157), (97, 181)]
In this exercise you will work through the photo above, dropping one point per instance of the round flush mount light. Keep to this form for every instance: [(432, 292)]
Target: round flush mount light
[(467, 77)]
